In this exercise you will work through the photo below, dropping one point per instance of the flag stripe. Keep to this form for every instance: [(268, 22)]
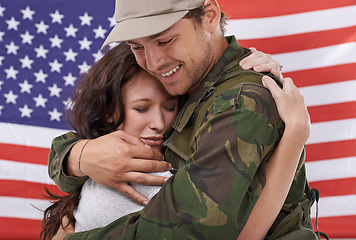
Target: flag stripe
[(331, 112), (24, 134), (323, 94), (317, 58), (338, 227), (331, 131), (299, 23), (335, 187), (13, 188), (335, 206), (23, 153), (325, 75), (25, 208), (331, 150), (17, 228), (11, 170), (298, 42), (330, 169), (261, 9)]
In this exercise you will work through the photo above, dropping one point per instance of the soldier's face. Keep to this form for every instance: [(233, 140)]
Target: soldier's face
[(149, 109), (179, 57)]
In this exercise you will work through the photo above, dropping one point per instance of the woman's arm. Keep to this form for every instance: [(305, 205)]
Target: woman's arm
[(283, 163)]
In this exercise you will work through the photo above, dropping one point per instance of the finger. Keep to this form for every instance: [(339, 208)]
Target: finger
[(131, 193), (142, 152), (145, 178), (254, 59), (253, 49), (128, 138), (272, 86), (144, 165)]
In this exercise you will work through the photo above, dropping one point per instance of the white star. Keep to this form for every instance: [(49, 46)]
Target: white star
[(55, 115), (56, 17), (25, 87), (56, 66), (1, 58), (11, 73), (2, 9), (85, 44), (25, 111), (1, 83), (68, 104), (12, 48), (41, 27), (27, 38), (1, 35), (40, 76), (1, 108), (27, 13), (41, 52), (26, 62), (71, 31), (70, 55), (112, 21), (10, 97), (12, 24), (40, 101), (84, 67), (98, 55), (85, 19), (55, 91), (56, 42), (69, 80), (100, 32)]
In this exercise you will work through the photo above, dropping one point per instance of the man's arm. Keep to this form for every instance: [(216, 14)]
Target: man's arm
[(213, 195)]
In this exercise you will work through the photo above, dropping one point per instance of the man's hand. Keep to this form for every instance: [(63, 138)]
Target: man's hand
[(62, 232), (115, 160), (261, 62)]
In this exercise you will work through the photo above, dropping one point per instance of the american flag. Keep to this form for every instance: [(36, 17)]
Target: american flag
[(46, 45)]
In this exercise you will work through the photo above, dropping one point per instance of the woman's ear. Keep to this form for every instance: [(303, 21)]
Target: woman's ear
[(212, 15)]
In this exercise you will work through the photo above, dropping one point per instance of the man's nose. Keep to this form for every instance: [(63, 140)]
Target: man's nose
[(154, 58)]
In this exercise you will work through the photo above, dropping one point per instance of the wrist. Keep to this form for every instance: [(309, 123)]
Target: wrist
[(73, 159)]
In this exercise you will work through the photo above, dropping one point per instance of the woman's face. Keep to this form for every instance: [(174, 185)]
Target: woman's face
[(149, 109)]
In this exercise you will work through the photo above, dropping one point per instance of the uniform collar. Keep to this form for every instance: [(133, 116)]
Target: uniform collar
[(232, 52)]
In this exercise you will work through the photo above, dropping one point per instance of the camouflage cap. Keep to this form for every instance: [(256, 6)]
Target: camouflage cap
[(142, 18)]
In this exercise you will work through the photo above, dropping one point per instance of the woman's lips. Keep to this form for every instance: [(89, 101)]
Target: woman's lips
[(153, 141)]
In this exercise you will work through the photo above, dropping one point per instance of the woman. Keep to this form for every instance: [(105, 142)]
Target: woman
[(117, 94)]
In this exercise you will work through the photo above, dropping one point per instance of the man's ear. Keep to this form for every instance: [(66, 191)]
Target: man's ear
[(212, 16)]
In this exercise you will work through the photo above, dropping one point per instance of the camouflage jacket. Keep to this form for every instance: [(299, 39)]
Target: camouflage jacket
[(220, 141)]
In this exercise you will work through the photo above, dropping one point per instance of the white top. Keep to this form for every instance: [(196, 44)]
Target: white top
[(100, 205)]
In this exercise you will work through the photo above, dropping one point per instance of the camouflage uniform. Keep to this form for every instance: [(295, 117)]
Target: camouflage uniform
[(220, 141)]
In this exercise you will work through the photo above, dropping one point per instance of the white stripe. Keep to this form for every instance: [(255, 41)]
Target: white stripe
[(25, 208), (306, 22), (332, 169), (24, 135), (331, 93), (10, 170), (336, 206), (318, 57), (333, 131)]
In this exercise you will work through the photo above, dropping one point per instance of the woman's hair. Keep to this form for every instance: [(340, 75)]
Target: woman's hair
[(96, 99)]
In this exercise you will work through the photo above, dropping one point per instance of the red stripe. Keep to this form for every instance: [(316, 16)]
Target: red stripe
[(304, 41), (337, 187), (337, 227), (21, 153), (332, 112), (325, 75), (19, 229), (23, 189), (258, 9), (330, 150)]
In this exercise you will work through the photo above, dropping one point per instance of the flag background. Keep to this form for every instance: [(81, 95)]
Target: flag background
[(46, 45)]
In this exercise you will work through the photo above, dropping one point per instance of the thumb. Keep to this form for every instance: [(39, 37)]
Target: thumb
[(271, 85)]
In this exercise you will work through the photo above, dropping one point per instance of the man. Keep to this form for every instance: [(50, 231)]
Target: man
[(220, 141)]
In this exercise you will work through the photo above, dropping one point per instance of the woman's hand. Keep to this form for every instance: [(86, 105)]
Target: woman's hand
[(262, 62)]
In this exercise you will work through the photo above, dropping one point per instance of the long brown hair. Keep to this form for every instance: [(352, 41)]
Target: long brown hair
[(97, 97)]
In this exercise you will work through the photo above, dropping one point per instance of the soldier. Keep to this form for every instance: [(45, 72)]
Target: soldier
[(220, 142)]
